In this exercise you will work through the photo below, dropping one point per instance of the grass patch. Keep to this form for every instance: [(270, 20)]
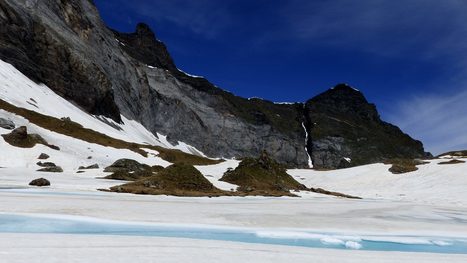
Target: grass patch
[(455, 153), (177, 180), (72, 129), (453, 161), (401, 166), (131, 170), (186, 180), (129, 176), (263, 176)]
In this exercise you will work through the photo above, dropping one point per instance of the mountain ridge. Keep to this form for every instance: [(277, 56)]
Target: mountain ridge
[(65, 45)]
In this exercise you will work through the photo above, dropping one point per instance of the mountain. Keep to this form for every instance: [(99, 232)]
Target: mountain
[(345, 130), (65, 45)]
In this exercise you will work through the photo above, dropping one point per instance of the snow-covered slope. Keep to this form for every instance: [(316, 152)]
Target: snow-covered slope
[(19, 164), (432, 183), (17, 89)]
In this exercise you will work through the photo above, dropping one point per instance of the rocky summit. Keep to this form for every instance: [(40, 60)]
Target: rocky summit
[(65, 45)]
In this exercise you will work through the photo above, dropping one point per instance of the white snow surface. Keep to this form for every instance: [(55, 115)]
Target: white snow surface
[(310, 162), (431, 183), (190, 75)]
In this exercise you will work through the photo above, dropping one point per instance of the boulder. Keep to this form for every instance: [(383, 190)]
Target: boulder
[(126, 165), (43, 156), (19, 137), (52, 169), (7, 124), (94, 166), (46, 164), (40, 182)]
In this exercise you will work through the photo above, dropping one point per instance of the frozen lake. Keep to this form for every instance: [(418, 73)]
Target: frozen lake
[(20, 223)]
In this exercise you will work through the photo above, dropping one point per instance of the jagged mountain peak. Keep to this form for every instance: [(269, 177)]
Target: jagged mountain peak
[(143, 46), (144, 30), (344, 99)]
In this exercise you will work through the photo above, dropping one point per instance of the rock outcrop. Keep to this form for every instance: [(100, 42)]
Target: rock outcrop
[(20, 137), (126, 165), (262, 176), (7, 124), (49, 167), (40, 182), (64, 44), (43, 156)]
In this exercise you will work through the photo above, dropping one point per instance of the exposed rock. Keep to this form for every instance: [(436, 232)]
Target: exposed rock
[(143, 46), (43, 156), (46, 164), (51, 169), (40, 182), (94, 166), (19, 137), (7, 124), (39, 41), (342, 125), (135, 175), (126, 165)]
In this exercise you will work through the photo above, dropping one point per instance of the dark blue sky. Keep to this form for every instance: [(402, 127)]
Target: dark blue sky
[(407, 56)]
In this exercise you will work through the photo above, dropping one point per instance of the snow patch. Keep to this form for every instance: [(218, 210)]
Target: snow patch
[(190, 75), (310, 162), (353, 245), (120, 42), (287, 103)]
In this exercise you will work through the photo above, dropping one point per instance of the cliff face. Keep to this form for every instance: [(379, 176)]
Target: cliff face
[(64, 44)]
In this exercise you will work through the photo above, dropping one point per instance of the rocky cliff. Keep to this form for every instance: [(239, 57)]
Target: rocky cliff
[(64, 44), (345, 130)]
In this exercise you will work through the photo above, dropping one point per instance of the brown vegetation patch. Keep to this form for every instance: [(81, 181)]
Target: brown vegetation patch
[(401, 166), (262, 175), (455, 153), (255, 177), (177, 180), (67, 127), (453, 161)]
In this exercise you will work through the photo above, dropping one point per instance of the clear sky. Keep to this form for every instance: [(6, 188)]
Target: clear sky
[(407, 56)]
